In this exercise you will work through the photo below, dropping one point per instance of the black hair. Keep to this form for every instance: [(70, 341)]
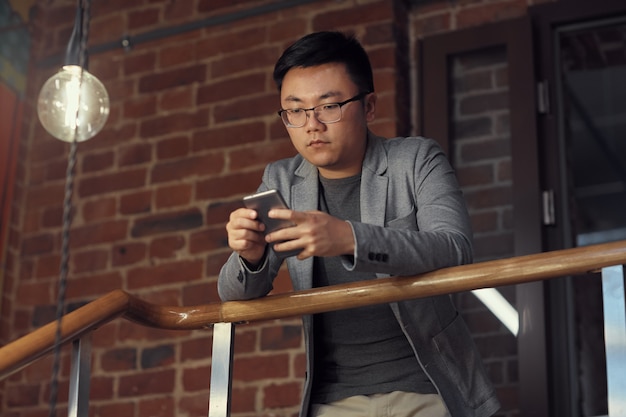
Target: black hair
[(323, 48)]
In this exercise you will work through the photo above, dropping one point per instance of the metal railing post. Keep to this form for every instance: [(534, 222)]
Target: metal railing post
[(615, 338), (221, 369), (80, 373)]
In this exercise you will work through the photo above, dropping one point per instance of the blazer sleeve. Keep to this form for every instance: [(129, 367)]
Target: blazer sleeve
[(434, 231)]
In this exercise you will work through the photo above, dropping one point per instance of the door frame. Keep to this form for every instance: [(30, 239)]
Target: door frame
[(434, 120)]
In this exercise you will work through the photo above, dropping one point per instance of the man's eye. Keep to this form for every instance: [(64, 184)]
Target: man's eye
[(328, 107), (295, 111)]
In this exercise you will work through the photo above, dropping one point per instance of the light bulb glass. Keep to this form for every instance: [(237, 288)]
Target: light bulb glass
[(73, 104)]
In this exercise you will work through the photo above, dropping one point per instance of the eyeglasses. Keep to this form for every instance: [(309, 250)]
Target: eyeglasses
[(325, 113)]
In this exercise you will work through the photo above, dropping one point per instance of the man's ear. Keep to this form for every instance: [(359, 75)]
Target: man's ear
[(370, 107)]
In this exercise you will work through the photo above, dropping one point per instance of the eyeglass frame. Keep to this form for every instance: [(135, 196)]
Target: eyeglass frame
[(358, 97)]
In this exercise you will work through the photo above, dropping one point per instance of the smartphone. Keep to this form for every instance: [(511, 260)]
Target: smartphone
[(262, 203)]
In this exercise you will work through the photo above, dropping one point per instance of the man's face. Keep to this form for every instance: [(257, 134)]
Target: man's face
[(337, 149)]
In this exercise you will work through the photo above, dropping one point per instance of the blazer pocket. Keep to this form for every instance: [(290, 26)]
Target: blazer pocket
[(405, 222)]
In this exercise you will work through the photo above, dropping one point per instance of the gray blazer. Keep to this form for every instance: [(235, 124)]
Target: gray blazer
[(413, 220)]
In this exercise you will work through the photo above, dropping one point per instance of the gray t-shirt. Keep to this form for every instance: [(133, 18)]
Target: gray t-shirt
[(359, 351)]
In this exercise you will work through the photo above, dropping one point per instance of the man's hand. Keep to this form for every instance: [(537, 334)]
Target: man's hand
[(245, 235), (315, 232)]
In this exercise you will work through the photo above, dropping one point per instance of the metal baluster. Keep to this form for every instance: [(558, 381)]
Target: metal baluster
[(80, 373), (615, 338), (221, 369)]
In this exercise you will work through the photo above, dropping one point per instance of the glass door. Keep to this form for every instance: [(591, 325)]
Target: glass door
[(590, 89)]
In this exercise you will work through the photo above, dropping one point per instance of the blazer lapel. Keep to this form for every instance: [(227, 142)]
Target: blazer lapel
[(374, 183), (304, 197)]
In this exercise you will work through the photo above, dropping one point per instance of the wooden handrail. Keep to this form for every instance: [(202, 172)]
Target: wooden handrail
[(517, 270)]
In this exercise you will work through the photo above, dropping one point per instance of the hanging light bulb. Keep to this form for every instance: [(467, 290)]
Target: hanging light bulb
[(73, 104)]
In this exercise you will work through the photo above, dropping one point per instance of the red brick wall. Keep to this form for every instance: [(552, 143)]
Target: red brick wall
[(192, 125)]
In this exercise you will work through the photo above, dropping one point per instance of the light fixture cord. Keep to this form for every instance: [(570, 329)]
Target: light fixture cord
[(83, 8)]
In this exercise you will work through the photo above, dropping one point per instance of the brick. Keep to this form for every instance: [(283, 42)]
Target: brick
[(94, 284), (170, 56), (218, 213), (282, 282), (173, 195), (197, 378), (485, 149), (483, 13), (97, 162), (263, 57), (147, 383), (140, 107), (280, 337), (193, 405), (492, 197), (115, 135), (45, 195), (34, 293), (100, 388), (22, 395), (187, 167), (244, 108), (157, 356), (43, 314), (169, 222), (139, 62), (483, 103), (493, 247), (132, 332), (484, 222), (172, 78), (203, 293), (359, 15), (173, 123), (135, 203), (469, 82), (167, 273), (230, 88), (101, 28), (178, 10), (47, 266), (282, 395), (195, 349), (100, 209), (215, 261), (472, 127), (162, 406), (504, 171), (128, 253), (299, 365), (226, 136), (232, 40), (475, 175), (244, 400), (55, 170), (257, 156), (109, 183), (208, 240), (48, 149), (173, 147), (89, 261), (37, 245), (177, 99), (166, 247), (138, 153), (105, 232), (261, 367), (117, 408), (142, 18)]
